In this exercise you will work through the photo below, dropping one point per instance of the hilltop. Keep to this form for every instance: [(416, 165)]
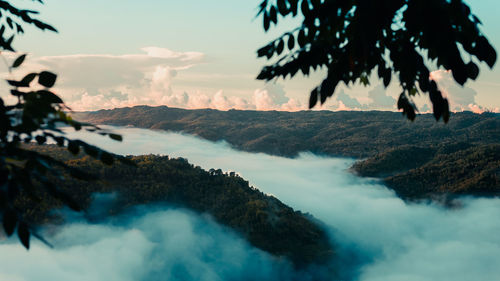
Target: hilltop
[(356, 134), (423, 159), (263, 220)]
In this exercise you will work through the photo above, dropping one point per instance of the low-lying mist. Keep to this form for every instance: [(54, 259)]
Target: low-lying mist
[(378, 235), (154, 243)]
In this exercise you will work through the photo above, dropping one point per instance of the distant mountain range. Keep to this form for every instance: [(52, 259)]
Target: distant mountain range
[(419, 160)]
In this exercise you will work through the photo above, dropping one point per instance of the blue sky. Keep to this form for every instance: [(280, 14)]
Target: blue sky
[(225, 36)]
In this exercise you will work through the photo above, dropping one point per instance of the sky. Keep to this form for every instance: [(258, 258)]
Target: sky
[(197, 54)]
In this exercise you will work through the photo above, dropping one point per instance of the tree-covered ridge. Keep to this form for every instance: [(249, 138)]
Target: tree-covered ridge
[(437, 172), (346, 133), (415, 158), (263, 220)]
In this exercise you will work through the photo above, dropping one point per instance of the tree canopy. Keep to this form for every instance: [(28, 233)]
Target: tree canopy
[(352, 38), (37, 116)]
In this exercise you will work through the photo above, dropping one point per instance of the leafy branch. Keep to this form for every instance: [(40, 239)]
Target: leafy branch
[(352, 39)]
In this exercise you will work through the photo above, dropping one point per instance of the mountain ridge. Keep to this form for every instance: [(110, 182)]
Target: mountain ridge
[(367, 135), (263, 220)]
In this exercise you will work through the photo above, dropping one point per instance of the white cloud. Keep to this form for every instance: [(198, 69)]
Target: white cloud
[(377, 99), (94, 81), (105, 71), (380, 99), (160, 76), (273, 97), (149, 244), (346, 101), (169, 54), (460, 98)]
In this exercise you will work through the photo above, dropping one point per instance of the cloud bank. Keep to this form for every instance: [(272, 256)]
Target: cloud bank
[(460, 98), (154, 243), (160, 76), (101, 81), (377, 99), (378, 235)]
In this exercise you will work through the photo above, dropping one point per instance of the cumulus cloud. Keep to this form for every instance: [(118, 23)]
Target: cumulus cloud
[(95, 81), (273, 97), (460, 98), (380, 99), (386, 239), (377, 99), (346, 101), (95, 71), (481, 109), (425, 108), (100, 81)]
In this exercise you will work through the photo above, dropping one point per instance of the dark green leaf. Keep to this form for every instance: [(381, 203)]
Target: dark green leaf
[(9, 22), (282, 7), (446, 111), (15, 83), (407, 107), (291, 42), (9, 221), (459, 74), (267, 21), (24, 234), (49, 97), (302, 38), (387, 77), (17, 93), (472, 70), (273, 15), (47, 79), (327, 89), (280, 46), (116, 137), (19, 61), (313, 99), (28, 79), (305, 7)]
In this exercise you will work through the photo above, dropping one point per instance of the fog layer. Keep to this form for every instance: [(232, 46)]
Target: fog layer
[(388, 239)]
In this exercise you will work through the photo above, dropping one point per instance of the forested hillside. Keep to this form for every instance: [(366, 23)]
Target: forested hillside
[(441, 172), (266, 222), (345, 133), (419, 160)]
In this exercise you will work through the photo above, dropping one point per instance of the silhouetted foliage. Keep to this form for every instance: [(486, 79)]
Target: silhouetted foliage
[(37, 116), (263, 220), (353, 38)]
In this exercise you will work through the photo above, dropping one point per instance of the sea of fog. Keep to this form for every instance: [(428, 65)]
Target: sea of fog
[(377, 235)]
